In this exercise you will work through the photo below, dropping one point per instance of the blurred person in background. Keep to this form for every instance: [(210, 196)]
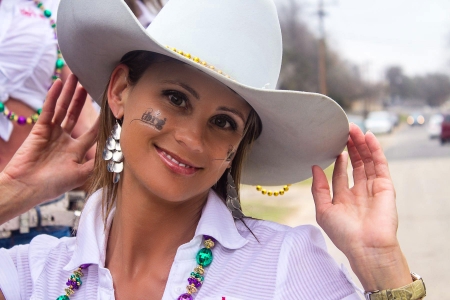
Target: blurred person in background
[(29, 62), (145, 10)]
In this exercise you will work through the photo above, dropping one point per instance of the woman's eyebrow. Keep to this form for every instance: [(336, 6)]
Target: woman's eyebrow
[(233, 111), (184, 86)]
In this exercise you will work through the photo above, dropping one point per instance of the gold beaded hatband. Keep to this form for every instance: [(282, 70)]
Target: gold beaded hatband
[(270, 193), (199, 61)]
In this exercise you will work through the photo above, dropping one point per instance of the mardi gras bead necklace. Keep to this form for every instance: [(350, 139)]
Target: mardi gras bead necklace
[(204, 258), (22, 120), (281, 192)]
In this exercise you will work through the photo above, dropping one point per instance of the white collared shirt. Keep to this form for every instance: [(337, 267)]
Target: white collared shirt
[(286, 263)]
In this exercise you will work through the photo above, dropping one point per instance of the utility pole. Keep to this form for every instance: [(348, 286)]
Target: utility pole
[(322, 50)]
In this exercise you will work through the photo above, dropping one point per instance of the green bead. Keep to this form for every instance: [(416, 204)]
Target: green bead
[(2, 107), (53, 25), (204, 257), (11, 117), (47, 13), (39, 111), (63, 297), (198, 276), (39, 4), (54, 77), (59, 63)]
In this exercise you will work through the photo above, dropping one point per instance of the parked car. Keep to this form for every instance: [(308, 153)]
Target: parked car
[(394, 118), (379, 122), (358, 121), (416, 118), (445, 129), (434, 126)]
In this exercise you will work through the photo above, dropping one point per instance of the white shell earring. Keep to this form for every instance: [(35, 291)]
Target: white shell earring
[(112, 152)]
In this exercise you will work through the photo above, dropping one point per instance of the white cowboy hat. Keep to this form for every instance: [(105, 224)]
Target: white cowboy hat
[(241, 39)]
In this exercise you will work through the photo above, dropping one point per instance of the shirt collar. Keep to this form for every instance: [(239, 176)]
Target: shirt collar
[(90, 247)]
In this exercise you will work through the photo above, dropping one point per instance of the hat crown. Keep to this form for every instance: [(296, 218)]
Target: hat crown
[(242, 38)]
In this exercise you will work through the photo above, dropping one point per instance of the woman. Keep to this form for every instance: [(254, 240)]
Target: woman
[(29, 62), (185, 101)]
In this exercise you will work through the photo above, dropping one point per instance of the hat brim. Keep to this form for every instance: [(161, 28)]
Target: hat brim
[(299, 129)]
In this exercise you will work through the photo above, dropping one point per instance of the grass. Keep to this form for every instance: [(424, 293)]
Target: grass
[(264, 211), (263, 207), (328, 172)]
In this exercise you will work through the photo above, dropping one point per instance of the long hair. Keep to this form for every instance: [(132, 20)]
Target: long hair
[(138, 62)]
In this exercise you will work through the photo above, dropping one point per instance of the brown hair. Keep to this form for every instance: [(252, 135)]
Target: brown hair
[(138, 62)]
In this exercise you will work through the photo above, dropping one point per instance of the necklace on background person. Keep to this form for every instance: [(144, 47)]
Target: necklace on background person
[(22, 120), (204, 258)]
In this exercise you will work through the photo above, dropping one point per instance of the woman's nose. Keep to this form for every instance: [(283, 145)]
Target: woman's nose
[(191, 136)]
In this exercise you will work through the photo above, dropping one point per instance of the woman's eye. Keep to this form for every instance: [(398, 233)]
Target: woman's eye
[(177, 100), (224, 122)]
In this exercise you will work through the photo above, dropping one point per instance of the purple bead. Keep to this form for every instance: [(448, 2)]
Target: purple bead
[(73, 284), (21, 120), (207, 237), (185, 296), (194, 281), (9, 114), (85, 266)]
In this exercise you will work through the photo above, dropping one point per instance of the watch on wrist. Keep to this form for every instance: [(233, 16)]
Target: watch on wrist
[(413, 291)]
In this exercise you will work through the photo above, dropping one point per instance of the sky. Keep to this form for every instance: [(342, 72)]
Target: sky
[(413, 34)]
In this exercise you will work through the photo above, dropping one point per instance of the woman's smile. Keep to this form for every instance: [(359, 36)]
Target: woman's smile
[(175, 163)]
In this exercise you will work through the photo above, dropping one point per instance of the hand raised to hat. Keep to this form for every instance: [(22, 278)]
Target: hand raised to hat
[(50, 161), (362, 220)]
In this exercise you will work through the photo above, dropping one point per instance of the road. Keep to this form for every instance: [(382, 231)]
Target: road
[(420, 169)]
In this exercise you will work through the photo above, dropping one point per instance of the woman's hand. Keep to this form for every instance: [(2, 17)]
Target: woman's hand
[(49, 162), (362, 220)]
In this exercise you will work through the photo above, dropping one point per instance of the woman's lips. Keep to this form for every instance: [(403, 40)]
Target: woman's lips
[(176, 164)]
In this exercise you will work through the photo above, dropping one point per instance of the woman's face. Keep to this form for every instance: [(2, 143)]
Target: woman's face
[(180, 128)]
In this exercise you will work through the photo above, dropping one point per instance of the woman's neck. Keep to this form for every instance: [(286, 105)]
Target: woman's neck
[(147, 230)]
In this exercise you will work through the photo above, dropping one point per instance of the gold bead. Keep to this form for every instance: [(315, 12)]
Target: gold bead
[(211, 67), (227, 76), (204, 63), (196, 59), (208, 244), (167, 47), (220, 71), (174, 49), (29, 121), (199, 269), (16, 117), (258, 188), (191, 289), (269, 193), (286, 188), (281, 192), (6, 112), (180, 52), (187, 55), (275, 194), (264, 191)]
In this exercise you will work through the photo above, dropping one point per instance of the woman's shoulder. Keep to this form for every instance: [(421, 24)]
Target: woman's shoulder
[(267, 230)]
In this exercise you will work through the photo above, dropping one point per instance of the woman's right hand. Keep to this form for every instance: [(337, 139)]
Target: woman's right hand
[(51, 162)]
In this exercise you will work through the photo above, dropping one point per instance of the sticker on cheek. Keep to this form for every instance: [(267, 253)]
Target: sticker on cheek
[(153, 119)]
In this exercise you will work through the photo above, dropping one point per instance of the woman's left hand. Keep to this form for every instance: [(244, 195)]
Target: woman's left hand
[(362, 220)]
